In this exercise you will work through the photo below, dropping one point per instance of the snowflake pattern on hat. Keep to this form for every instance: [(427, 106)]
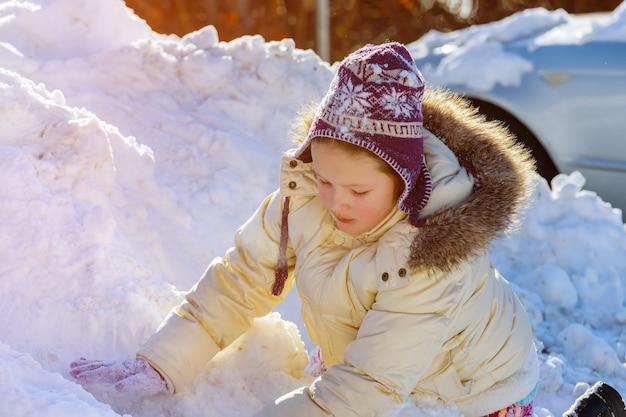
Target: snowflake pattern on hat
[(400, 103), (351, 99)]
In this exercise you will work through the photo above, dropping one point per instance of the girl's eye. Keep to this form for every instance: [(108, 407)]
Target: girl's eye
[(359, 193)]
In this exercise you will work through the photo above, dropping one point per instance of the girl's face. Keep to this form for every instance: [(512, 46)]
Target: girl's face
[(355, 190)]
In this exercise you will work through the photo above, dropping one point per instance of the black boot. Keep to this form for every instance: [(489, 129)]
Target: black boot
[(600, 400)]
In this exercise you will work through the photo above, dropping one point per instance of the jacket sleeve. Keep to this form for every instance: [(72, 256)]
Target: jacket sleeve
[(221, 306), (397, 343)]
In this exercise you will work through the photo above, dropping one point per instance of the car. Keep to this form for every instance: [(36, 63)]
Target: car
[(557, 80)]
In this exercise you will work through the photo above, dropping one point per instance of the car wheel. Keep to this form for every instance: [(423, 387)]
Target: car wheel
[(545, 165)]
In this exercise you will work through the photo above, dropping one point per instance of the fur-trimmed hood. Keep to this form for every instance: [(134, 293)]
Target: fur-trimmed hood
[(503, 177)]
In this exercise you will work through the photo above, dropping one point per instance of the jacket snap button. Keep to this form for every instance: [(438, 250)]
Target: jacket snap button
[(293, 163), (292, 184), (385, 276), (402, 272), (339, 240)]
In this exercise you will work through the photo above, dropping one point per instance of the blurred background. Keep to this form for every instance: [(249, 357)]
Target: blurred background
[(350, 23)]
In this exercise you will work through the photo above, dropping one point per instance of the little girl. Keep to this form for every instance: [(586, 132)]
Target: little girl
[(383, 217)]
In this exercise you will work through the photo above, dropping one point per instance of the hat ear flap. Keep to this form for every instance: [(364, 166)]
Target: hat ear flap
[(418, 196)]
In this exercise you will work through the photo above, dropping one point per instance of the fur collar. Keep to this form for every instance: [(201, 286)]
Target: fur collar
[(504, 173)]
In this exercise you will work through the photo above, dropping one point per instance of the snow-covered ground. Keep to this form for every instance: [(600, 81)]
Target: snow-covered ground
[(127, 161)]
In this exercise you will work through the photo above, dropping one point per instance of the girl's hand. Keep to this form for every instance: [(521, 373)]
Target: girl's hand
[(131, 376)]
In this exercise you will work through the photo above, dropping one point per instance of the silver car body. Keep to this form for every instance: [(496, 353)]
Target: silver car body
[(561, 76)]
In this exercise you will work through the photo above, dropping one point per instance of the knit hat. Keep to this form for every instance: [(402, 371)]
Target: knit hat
[(375, 102)]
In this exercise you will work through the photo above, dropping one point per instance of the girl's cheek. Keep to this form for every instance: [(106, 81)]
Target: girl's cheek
[(324, 195)]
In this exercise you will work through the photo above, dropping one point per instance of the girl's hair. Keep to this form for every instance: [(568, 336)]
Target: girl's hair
[(299, 133)]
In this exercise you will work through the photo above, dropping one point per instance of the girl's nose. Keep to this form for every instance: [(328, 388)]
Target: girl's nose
[(338, 201)]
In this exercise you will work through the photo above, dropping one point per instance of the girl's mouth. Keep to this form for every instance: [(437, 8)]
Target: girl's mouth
[(343, 219)]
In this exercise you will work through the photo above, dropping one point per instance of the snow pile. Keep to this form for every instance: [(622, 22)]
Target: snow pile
[(127, 161)]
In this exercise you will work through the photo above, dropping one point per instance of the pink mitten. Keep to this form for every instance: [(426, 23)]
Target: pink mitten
[(133, 376)]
